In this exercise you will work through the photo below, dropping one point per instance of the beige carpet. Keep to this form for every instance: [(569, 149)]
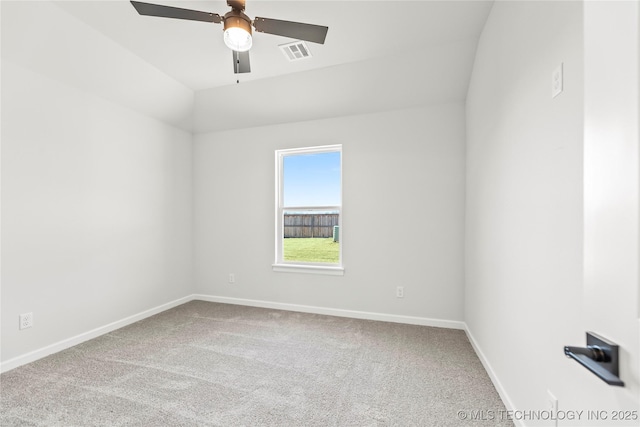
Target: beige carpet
[(208, 364)]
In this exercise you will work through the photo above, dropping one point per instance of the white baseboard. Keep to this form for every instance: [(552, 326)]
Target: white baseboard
[(395, 318), (78, 339), (411, 320), (86, 336), (492, 375)]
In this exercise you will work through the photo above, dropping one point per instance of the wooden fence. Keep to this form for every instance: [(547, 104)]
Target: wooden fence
[(309, 224)]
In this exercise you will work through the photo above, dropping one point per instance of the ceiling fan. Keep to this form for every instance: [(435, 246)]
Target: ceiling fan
[(237, 27)]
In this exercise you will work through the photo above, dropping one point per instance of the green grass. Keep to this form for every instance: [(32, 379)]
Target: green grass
[(311, 250)]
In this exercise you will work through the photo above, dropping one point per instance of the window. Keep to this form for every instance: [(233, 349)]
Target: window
[(309, 210)]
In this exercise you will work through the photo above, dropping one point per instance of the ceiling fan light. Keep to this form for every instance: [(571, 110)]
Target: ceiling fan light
[(237, 31), (237, 39)]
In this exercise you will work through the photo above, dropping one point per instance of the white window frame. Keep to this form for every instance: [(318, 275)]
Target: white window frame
[(280, 264)]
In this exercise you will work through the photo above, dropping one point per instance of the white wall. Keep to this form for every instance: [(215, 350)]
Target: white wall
[(96, 209), (612, 186), (96, 191), (403, 207), (525, 208)]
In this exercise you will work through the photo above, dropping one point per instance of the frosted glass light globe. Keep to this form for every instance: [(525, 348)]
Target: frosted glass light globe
[(237, 39)]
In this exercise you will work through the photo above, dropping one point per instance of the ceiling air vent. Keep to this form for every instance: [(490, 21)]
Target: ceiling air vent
[(295, 51)]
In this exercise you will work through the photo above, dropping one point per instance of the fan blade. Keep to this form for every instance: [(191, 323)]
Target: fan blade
[(241, 62), (294, 30), (149, 9), (236, 4)]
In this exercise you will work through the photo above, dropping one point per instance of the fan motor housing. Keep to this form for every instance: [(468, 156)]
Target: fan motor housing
[(236, 18)]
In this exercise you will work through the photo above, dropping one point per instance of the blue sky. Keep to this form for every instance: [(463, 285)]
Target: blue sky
[(312, 179)]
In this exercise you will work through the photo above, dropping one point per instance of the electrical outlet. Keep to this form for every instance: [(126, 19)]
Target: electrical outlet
[(232, 278), (26, 320), (400, 292), (552, 406)]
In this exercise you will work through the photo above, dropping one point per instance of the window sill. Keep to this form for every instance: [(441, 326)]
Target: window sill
[(309, 269)]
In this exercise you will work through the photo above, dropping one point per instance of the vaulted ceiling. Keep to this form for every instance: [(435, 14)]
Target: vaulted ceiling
[(378, 55), (194, 52)]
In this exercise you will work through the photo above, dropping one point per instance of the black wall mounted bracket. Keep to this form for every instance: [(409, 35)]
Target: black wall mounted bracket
[(600, 356)]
